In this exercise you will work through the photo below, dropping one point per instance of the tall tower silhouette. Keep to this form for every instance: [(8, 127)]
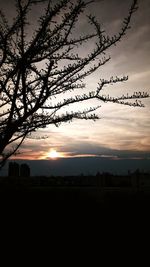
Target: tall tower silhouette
[(13, 169), (24, 170)]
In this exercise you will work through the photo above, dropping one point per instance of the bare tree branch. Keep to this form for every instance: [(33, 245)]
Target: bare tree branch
[(38, 72)]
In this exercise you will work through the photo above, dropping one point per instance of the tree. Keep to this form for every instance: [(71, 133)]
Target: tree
[(38, 73)]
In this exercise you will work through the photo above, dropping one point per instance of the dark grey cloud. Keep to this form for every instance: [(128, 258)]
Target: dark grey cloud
[(86, 148)]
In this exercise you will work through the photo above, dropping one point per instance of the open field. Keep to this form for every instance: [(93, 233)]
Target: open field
[(86, 208), (71, 193), (78, 196)]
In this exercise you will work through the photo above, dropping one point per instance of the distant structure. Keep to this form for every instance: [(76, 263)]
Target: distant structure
[(13, 169), (24, 170), (16, 170)]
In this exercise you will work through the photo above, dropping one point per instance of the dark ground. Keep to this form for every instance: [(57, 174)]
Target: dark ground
[(75, 212), (71, 217), (77, 202), (77, 197)]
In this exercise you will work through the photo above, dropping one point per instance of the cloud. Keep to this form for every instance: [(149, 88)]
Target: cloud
[(119, 149)]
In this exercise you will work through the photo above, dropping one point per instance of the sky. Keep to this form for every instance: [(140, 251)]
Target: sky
[(122, 132)]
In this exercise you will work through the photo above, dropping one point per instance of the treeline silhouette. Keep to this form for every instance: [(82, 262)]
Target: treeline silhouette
[(135, 180), (103, 191)]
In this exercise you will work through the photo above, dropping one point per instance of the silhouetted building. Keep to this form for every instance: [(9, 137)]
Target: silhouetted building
[(24, 170), (13, 169)]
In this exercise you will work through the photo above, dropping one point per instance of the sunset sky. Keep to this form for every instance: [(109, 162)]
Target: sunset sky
[(121, 131)]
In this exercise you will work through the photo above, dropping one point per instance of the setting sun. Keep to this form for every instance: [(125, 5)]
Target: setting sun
[(53, 154)]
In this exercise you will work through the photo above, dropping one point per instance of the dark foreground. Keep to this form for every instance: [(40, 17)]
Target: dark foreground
[(77, 197), (66, 210)]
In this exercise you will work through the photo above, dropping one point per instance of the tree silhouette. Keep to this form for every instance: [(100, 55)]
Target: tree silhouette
[(40, 75)]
